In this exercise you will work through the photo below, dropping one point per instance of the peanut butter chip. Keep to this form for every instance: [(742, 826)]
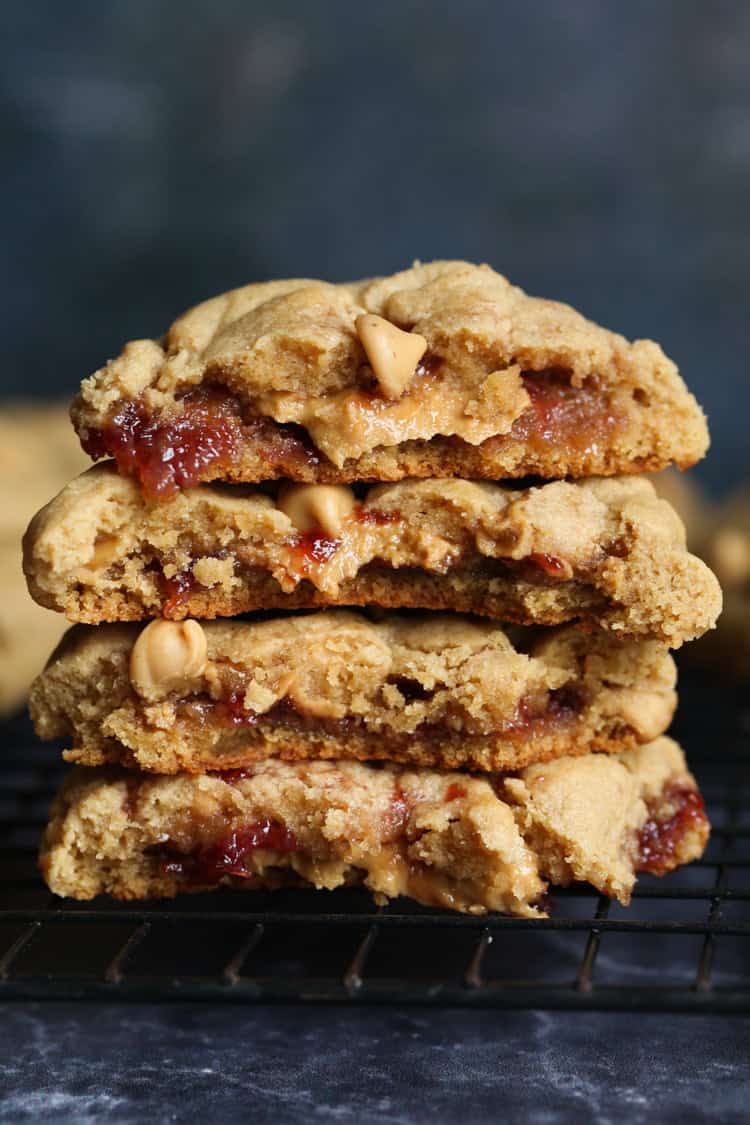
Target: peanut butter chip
[(393, 353), (105, 550), (317, 505), (168, 656)]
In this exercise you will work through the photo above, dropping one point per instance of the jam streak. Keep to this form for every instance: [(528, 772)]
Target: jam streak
[(231, 777), (396, 818), (176, 591), (167, 454), (558, 709), (231, 710), (310, 548), (659, 839), (376, 517), (561, 708), (550, 564), (562, 416), (228, 856)]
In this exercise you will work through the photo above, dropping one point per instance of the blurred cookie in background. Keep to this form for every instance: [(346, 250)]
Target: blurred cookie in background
[(688, 499), (27, 633), (727, 550), (719, 533), (39, 453), (728, 544)]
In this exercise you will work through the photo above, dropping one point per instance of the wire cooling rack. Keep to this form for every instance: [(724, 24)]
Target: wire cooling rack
[(683, 944)]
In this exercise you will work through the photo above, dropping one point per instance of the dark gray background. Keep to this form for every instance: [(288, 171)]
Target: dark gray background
[(158, 152)]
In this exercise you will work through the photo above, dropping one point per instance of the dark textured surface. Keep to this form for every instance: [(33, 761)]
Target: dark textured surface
[(296, 1065), (597, 152)]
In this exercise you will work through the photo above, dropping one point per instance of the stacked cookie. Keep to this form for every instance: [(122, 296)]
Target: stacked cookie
[(367, 661)]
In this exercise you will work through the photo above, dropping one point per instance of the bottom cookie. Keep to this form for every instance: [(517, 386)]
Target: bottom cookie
[(443, 838)]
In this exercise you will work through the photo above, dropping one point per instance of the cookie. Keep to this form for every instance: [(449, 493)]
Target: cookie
[(27, 632), (437, 690), (443, 370), (728, 543), (684, 493), (727, 547), (445, 839), (39, 453), (603, 552)]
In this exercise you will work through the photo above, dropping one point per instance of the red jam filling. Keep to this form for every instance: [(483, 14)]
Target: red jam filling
[(308, 550), (286, 447), (376, 518), (558, 708), (167, 454), (565, 702), (552, 566), (176, 591), (396, 817), (561, 707), (228, 856), (660, 837), (231, 710), (454, 791), (561, 415), (311, 548), (231, 777)]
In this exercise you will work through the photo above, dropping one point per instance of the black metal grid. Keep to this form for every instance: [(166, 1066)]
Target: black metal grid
[(683, 944)]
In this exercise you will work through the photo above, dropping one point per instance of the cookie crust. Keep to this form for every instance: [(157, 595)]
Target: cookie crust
[(450, 840)]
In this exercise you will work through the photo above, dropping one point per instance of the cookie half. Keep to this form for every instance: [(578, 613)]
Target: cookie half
[(445, 369), (446, 839), (437, 690), (602, 552)]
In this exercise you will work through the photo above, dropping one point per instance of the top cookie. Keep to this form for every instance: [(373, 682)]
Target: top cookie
[(445, 369)]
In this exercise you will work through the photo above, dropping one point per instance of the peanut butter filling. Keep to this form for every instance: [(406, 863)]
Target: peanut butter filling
[(349, 423)]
